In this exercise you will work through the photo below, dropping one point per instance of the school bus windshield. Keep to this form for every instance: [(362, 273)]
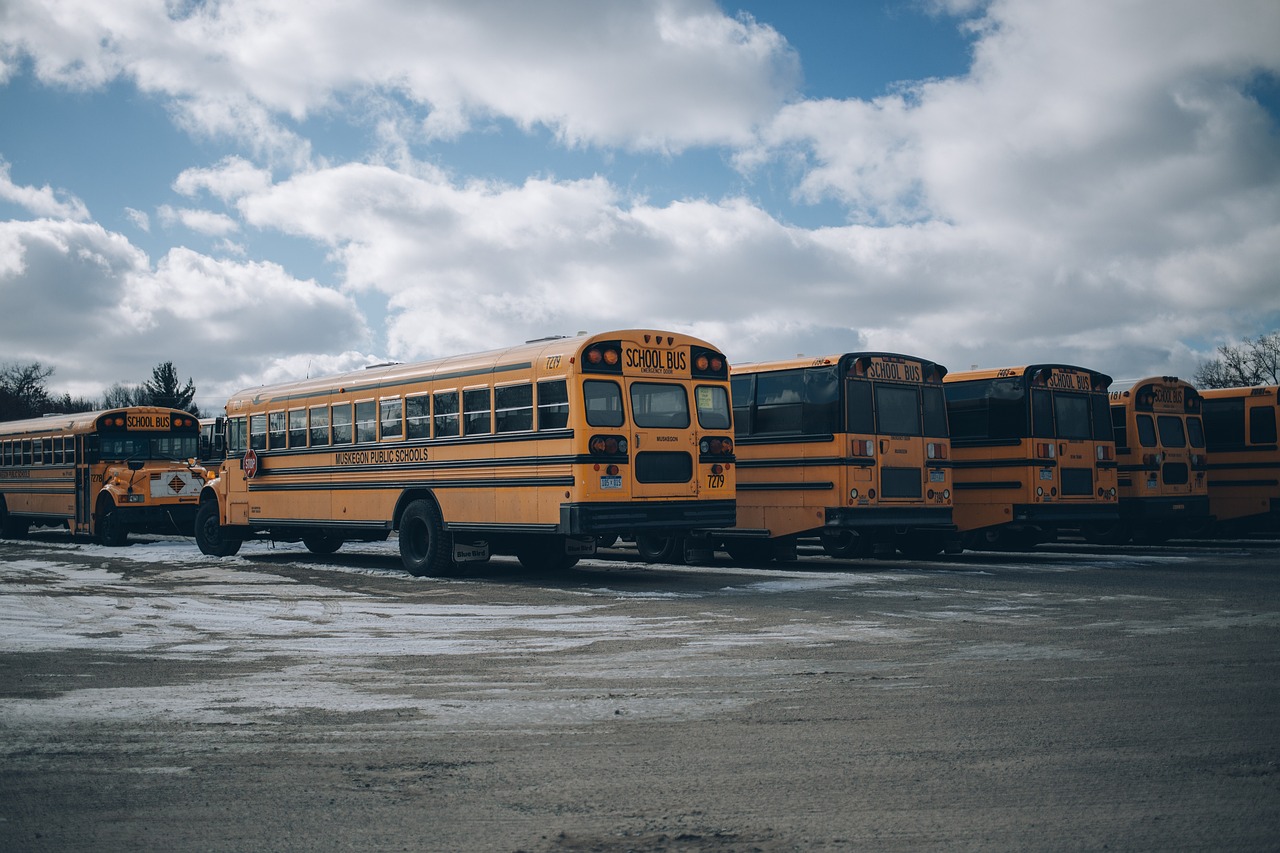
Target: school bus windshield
[(148, 447)]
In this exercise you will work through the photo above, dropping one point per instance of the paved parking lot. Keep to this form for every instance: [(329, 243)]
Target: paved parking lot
[(1068, 698)]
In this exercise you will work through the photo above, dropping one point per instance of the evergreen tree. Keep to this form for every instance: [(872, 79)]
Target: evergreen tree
[(163, 389)]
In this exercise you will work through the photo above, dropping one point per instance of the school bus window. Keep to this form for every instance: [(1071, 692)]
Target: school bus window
[(58, 457), (390, 413), (1041, 414), (26, 451), (1100, 412), (276, 429), (258, 432), (897, 409), (1171, 434), (1146, 431), (342, 423), (1224, 421), (37, 447), (513, 408), (712, 402), (48, 451), (475, 412), (934, 412), (659, 406), (859, 413), (297, 427), (1071, 412), (553, 404), (603, 400), (71, 451), (235, 436), (446, 413), (1119, 428), (1262, 425), (417, 415), (366, 421), (6, 453), (777, 396), (742, 389), (1195, 432), (319, 426)]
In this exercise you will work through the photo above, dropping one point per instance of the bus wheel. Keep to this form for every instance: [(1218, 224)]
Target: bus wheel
[(322, 542), (1116, 533), (545, 554), (660, 549), (422, 545), (10, 527), (211, 537), (111, 529), (846, 543)]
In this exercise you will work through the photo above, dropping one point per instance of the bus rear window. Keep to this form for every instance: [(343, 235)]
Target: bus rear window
[(1171, 432), (1071, 412), (897, 409), (659, 406), (603, 401)]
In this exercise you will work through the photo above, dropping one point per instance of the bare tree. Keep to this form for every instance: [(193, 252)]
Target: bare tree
[(22, 390), (1255, 361)]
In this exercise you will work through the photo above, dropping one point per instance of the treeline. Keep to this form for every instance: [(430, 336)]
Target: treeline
[(1254, 362), (24, 393)]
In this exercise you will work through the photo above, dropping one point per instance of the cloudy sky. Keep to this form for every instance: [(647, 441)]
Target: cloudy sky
[(261, 189)]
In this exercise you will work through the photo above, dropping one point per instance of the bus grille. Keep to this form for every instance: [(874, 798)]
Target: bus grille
[(1077, 481), (1174, 473), (664, 467), (900, 482)]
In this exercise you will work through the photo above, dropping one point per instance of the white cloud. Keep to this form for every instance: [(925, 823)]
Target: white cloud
[(661, 75), (42, 201), (89, 302), (201, 221)]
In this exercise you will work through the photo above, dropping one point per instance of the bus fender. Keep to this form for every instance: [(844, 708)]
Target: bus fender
[(409, 496)]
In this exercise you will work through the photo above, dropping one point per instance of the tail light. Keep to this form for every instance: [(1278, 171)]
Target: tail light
[(936, 450), (862, 447), (607, 445), (716, 446), (1151, 460), (1197, 460), (1045, 450), (1105, 453)]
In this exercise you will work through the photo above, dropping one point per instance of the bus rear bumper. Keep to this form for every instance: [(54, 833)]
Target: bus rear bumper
[(1065, 514), (592, 519), (1164, 509), (914, 518)]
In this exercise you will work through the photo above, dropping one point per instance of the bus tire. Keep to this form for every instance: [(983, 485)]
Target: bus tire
[(660, 549), (211, 537), (112, 531), (423, 550), (846, 544), (322, 542), (545, 554), (1116, 533)]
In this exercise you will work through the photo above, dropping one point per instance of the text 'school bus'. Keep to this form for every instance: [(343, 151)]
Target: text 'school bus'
[(1244, 457), (103, 474), (1161, 450), (1033, 453), (536, 450), (850, 448)]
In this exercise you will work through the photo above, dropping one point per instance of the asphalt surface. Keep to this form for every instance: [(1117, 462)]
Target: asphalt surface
[(1070, 698)]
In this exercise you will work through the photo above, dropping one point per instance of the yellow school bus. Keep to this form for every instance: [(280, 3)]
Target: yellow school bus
[(101, 474), (534, 450), (1160, 445), (851, 448), (1244, 457), (1033, 452)]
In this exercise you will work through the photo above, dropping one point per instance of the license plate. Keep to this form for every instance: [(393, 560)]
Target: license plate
[(611, 482), (937, 476), (1046, 474)]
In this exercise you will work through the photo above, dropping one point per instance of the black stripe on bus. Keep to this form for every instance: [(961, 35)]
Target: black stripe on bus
[(470, 483), (993, 484), (785, 487)]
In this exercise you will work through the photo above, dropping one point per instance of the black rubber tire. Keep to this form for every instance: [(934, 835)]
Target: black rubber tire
[(846, 544), (545, 554), (660, 549), (322, 542), (111, 531), (423, 550), (211, 537)]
